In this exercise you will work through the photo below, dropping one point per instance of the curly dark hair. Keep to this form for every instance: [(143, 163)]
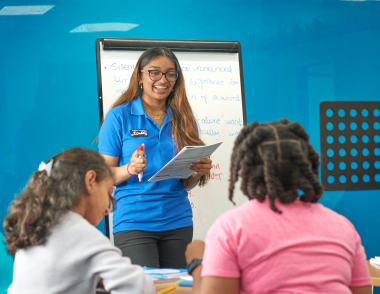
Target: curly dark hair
[(45, 199), (275, 159)]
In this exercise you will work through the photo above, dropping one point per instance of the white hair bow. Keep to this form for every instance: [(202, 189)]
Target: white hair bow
[(46, 166)]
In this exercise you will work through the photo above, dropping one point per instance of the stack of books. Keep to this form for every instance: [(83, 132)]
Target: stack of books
[(164, 275)]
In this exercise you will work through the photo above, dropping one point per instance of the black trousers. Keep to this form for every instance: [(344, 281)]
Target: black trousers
[(164, 249)]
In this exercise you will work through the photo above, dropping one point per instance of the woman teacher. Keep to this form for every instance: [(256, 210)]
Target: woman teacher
[(152, 223)]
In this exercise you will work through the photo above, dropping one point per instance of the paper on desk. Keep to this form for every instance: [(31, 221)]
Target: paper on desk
[(165, 271), (375, 261), (177, 167), (186, 278)]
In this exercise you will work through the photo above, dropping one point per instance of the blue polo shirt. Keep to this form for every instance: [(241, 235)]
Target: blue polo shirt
[(147, 206)]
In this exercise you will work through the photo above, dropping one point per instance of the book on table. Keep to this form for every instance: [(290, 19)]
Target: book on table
[(164, 273), (375, 260), (185, 283)]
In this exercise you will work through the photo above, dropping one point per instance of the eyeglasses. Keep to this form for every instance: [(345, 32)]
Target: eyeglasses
[(156, 75)]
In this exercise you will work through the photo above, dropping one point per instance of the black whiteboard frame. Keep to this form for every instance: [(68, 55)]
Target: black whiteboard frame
[(127, 44)]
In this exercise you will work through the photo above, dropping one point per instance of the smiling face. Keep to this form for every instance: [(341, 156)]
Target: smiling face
[(157, 90)]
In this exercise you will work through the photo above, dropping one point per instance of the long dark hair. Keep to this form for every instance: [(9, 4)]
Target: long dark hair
[(46, 198), (275, 159), (184, 127)]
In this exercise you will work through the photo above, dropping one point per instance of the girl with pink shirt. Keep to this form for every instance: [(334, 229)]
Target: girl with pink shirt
[(278, 242)]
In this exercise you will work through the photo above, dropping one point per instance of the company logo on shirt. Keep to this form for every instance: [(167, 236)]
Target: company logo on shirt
[(139, 133)]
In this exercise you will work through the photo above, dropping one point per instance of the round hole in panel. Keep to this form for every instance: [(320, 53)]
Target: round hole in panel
[(377, 178), (342, 152), (330, 152), (353, 126), (354, 152), (366, 178), (342, 179), (365, 112), (376, 112), (353, 139), (376, 138), (353, 112), (342, 139), (341, 126), (342, 165), (365, 139), (354, 165), (376, 125), (330, 166), (365, 164), (330, 139), (365, 126), (329, 126), (354, 178), (341, 112), (329, 112), (376, 151), (330, 179), (365, 151), (376, 164)]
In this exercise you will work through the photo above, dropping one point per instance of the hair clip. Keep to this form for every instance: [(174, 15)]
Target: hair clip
[(46, 166)]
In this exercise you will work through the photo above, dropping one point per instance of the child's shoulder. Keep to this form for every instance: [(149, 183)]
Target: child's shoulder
[(332, 216), (254, 211), (75, 229), (248, 209), (237, 217)]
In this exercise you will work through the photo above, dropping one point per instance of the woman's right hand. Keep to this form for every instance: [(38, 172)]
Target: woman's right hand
[(137, 164)]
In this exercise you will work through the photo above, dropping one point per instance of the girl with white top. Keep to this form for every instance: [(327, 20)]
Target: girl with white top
[(51, 232)]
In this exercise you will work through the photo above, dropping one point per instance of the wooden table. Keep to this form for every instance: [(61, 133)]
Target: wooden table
[(178, 289), (162, 286), (374, 272)]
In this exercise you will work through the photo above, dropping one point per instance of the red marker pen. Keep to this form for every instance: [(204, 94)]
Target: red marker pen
[(141, 148)]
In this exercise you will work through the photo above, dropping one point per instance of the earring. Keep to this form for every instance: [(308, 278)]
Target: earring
[(172, 90), (141, 86)]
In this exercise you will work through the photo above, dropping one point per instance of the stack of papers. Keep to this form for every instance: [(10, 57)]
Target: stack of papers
[(164, 273), (375, 261), (177, 167), (186, 278), (158, 281)]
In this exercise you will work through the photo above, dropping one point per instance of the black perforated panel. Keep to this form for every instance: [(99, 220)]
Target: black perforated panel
[(350, 145)]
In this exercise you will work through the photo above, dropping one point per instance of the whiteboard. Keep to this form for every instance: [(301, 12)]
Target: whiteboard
[(214, 89)]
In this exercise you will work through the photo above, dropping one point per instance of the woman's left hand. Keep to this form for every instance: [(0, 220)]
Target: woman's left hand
[(202, 166)]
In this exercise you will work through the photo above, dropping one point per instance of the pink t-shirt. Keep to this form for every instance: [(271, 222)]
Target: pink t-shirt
[(306, 249)]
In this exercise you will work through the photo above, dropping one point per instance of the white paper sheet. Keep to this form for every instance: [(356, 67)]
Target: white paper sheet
[(177, 167)]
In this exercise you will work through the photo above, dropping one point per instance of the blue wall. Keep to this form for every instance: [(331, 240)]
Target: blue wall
[(295, 55)]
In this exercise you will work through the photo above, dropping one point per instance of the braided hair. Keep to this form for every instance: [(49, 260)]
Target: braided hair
[(275, 159)]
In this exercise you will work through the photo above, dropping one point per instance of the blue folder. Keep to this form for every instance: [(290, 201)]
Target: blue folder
[(185, 283)]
